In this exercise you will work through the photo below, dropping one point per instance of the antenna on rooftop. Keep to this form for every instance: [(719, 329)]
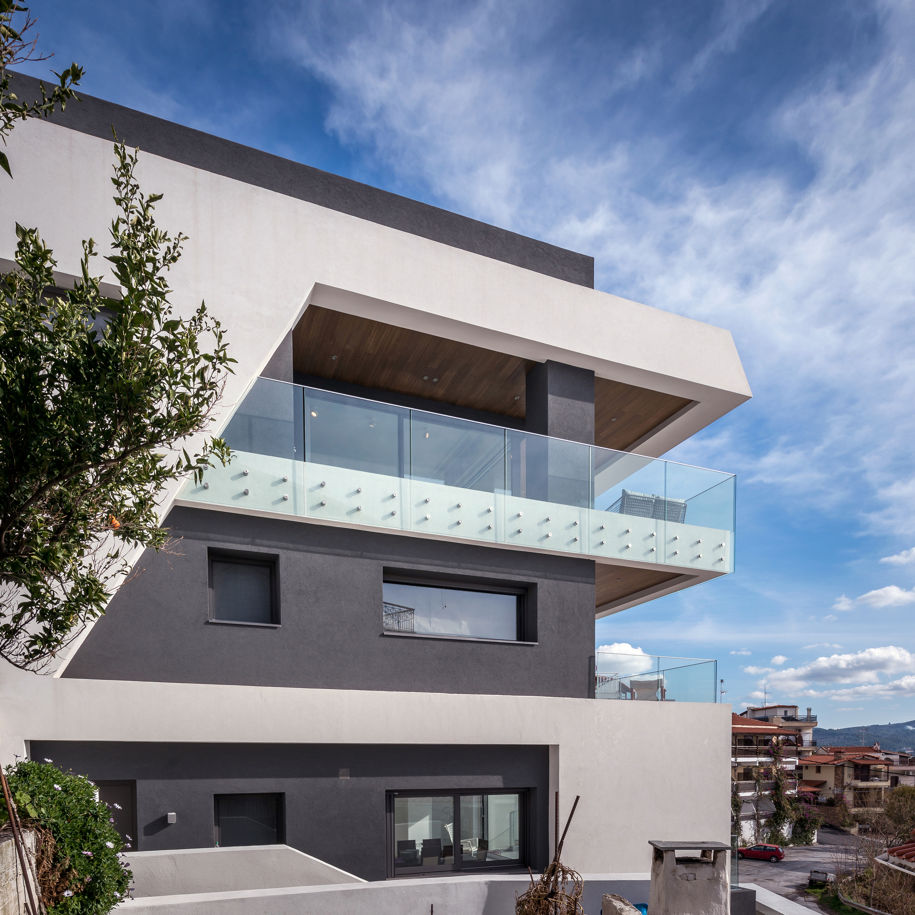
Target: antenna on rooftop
[(721, 691)]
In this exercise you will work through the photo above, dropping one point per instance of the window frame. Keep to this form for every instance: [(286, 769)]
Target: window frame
[(525, 605), (240, 557), (525, 843), (280, 800)]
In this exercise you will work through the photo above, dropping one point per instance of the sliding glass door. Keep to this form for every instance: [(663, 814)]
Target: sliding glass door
[(457, 831)]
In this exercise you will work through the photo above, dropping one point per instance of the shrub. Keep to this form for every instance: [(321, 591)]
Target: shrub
[(79, 869)]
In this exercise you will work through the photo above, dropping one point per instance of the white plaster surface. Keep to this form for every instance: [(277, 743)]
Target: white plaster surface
[(211, 870), (476, 895), (617, 755)]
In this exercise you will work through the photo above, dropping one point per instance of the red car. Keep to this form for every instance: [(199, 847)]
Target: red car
[(764, 852)]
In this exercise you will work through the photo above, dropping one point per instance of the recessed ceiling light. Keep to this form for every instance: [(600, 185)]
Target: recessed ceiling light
[(425, 377), (427, 435), (517, 397), (333, 357), (313, 413), (434, 380)]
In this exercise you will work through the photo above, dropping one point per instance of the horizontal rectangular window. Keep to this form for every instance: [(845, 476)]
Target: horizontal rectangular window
[(249, 819), (243, 589), (439, 833), (446, 610)]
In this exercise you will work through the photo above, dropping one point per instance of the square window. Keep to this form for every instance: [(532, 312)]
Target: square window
[(243, 589), (249, 819)]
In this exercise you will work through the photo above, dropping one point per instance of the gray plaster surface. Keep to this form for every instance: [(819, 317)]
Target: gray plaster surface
[(330, 608)]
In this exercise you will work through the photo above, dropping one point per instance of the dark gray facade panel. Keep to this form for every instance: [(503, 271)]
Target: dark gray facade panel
[(96, 117), (330, 610), (341, 820), (560, 401)]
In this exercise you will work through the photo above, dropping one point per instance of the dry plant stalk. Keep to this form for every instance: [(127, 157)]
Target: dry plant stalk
[(559, 889)]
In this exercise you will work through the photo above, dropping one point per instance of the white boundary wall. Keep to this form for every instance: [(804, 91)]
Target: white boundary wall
[(645, 770)]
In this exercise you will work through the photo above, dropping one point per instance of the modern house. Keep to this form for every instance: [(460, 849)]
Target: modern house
[(375, 641), (758, 751), (788, 718)]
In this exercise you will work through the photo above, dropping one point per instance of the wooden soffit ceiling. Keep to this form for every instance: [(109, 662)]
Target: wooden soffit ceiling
[(624, 414), (355, 350), (614, 583)]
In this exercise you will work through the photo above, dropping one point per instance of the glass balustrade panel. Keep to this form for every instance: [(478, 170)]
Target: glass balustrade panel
[(456, 452), (548, 469), (268, 421), (356, 434)]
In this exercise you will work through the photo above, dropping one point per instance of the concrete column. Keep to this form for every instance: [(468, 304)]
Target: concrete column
[(560, 401)]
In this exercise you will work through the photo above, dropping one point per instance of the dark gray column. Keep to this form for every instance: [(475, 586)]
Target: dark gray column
[(560, 401)]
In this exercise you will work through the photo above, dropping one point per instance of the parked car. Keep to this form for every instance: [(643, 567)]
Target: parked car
[(764, 852)]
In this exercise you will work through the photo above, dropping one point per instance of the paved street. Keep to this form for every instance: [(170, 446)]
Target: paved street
[(789, 877)]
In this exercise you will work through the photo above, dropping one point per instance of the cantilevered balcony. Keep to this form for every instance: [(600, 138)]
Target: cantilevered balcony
[(337, 459)]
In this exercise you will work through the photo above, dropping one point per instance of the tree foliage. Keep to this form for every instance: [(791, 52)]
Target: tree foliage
[(95, 393), (17, 47)]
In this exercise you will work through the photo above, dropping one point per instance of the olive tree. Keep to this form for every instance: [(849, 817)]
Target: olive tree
[(98, 392)]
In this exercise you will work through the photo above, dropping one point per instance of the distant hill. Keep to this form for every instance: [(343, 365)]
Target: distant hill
[(899, 736)]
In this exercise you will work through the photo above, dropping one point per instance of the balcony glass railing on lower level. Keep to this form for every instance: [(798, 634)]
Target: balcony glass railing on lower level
[(330, 457), (653, 678)]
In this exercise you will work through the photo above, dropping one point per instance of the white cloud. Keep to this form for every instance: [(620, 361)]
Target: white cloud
[(906, 557), (827, 676), (742, 651), (893, 689), (623, 659), (830, 618), (833, 645), (754, 671), (890, 596), (778, 660)]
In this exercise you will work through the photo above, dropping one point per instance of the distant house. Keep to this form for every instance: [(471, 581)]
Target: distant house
[(758, 749), (787, 716), (858, 778)]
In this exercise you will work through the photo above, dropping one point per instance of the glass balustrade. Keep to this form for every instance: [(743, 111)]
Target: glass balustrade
[(653, 678), (313, 453)]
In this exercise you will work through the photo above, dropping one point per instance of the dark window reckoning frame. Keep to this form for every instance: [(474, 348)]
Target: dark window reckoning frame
[(279, 798), (525, 801), (239, 557), (525, 592)]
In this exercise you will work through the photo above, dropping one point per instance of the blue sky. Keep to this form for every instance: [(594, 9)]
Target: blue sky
[(747, 163)]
